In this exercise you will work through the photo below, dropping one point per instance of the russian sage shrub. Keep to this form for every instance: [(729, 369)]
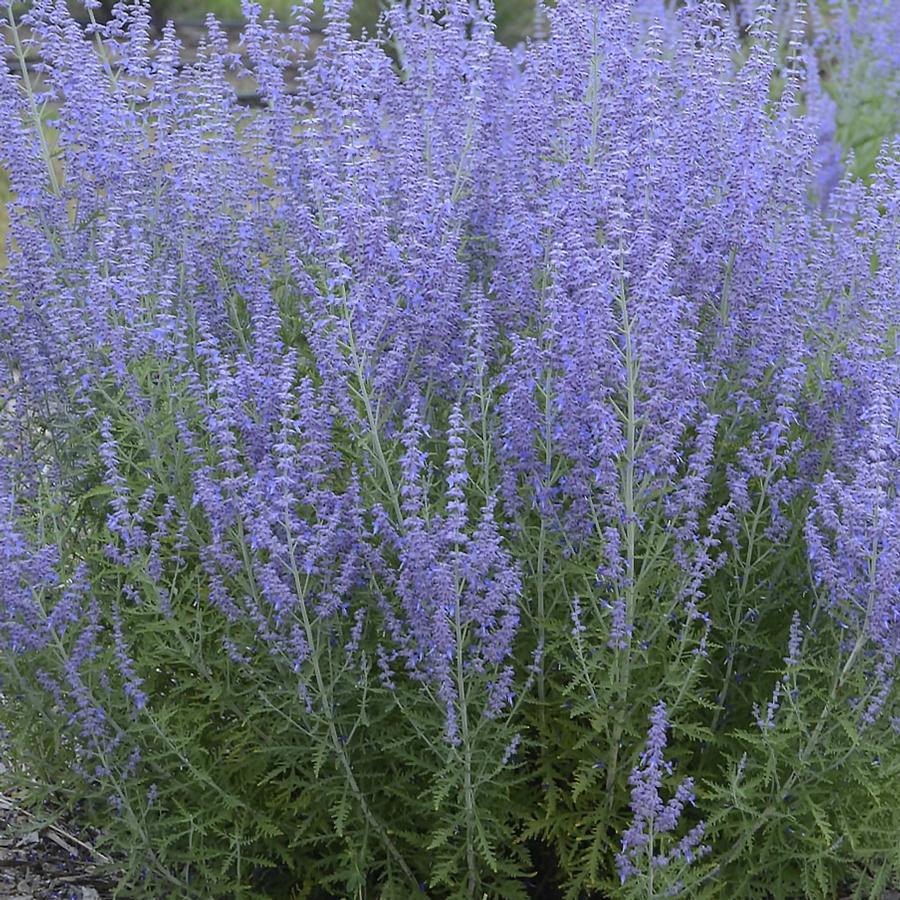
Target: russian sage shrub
[(472, 470)]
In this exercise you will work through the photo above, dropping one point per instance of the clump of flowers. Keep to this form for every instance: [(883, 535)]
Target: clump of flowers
[(376, 456), (653, 818)]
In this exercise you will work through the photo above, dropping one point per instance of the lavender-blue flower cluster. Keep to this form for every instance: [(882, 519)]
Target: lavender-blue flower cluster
[(382, 385)]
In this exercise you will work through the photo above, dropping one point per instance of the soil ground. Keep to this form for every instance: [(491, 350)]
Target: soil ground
[(47, 861)]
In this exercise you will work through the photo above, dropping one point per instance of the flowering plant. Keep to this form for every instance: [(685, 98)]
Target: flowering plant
[(377, 461)]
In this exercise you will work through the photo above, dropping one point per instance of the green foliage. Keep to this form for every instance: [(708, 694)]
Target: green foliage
[(249, 774), (246, 785), (868, 114)]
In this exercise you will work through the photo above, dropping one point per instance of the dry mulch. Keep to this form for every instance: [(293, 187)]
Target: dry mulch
[(41, 861)]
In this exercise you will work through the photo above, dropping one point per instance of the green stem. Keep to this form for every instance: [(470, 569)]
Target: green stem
[(328, 710), (32, 103), (744, 584), (468, 785), (371, 418), (623, 655)]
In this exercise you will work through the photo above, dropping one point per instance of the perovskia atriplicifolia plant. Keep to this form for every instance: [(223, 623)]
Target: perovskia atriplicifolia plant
[(472, 470)]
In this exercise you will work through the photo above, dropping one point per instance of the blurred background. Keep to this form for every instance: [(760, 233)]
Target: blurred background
[(514, 18)]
